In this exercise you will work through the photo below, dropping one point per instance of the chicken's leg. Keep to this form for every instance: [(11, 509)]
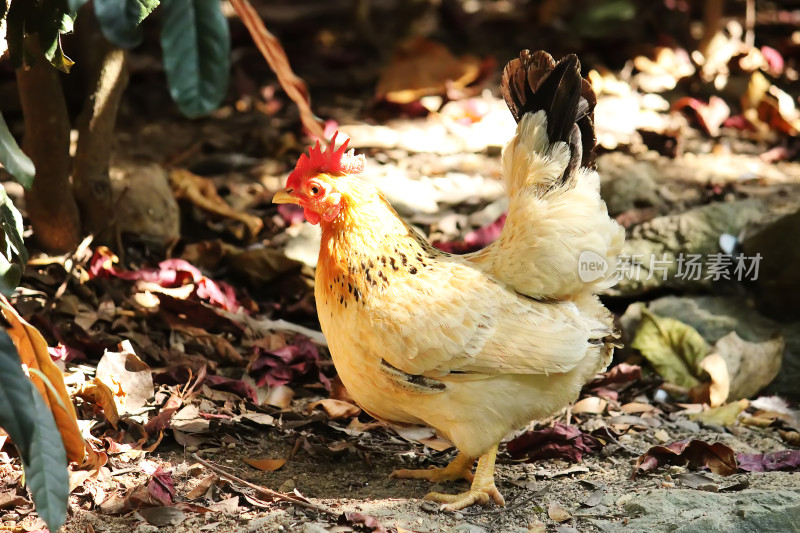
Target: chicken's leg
[(481, 491), (459, 468)]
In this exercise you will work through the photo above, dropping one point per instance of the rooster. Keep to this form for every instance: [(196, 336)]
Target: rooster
[(476, 345)]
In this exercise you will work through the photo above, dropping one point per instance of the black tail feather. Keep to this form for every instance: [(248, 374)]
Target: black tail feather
[(537, 82)]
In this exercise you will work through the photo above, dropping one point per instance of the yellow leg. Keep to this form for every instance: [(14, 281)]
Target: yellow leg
[(481, 491), (459, 468)]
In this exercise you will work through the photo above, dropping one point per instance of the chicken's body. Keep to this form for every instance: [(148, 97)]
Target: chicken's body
[(476, 346)]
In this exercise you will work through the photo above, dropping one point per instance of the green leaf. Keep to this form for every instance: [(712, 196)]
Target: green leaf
[(13, 255), (28, 421), (55, 20), (119, 20), (673, 348), (196, 43), (13, 158)]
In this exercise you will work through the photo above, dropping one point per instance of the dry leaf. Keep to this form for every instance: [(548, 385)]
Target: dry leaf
[(337, 408), (637, 407), (32, 350), (201, 488), (100, 394), (718, 457), (719, 389), (128, 377), (203, 193), (266, 465), (280, 396), (724, 415), (558, 513), (591, 405), (751, 365), (421, 67)]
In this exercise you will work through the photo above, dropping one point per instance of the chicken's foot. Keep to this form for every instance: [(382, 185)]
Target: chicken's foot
[(481, 491), (459, 468)]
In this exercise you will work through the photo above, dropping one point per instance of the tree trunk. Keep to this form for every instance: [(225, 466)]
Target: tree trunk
[(107, 78), (50, 204)]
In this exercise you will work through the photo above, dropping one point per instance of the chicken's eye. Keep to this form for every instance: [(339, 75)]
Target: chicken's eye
[(314, 190)]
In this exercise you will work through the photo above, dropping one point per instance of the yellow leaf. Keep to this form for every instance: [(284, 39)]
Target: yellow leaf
[(32, 349), (673, 348), (724, 415), (99, 393), (592, 405)]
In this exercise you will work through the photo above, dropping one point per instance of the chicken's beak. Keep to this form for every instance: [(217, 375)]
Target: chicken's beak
[(283, 197)]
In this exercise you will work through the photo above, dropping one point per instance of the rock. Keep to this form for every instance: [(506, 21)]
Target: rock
[(627, 184), (778, 273), (691, 511), (659, 252), (144, 205)]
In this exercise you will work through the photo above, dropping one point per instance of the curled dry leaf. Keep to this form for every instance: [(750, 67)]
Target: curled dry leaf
[(203, 193), (718, 457), (100, 394), (265, 465), (336, 409), (710, 116), (33, 352), (591, 405)]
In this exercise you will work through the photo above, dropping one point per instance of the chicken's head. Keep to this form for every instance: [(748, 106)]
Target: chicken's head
[(312, 183)]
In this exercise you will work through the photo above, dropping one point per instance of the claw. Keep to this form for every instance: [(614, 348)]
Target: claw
[(481, 492), (460, 468)]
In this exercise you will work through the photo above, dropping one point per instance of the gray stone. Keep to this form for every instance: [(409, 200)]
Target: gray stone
[(655, 247), (691, 511)]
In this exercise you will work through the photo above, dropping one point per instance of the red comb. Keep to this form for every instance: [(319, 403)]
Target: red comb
[(329, 161)]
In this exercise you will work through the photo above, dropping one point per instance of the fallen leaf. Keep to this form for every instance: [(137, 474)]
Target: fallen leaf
[(718, 457), (558, 442), (266, 465), (336, 409), (724, 415), (100, 394), (786, 460), (697, 481), (280, 396), (201, 489), (557, 513), (592, 405), (673, 348), (128, 377), (421, 67), (203, 193), (751, 365), (720, 386)]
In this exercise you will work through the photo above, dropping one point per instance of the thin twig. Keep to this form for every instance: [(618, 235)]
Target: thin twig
[(282, 496)]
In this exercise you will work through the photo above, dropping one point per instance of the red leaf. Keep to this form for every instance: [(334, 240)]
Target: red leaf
[(788, 460), (717, 457), (558, 442)]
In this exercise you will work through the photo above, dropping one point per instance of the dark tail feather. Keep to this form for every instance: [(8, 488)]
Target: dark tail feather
[(537, 82)]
